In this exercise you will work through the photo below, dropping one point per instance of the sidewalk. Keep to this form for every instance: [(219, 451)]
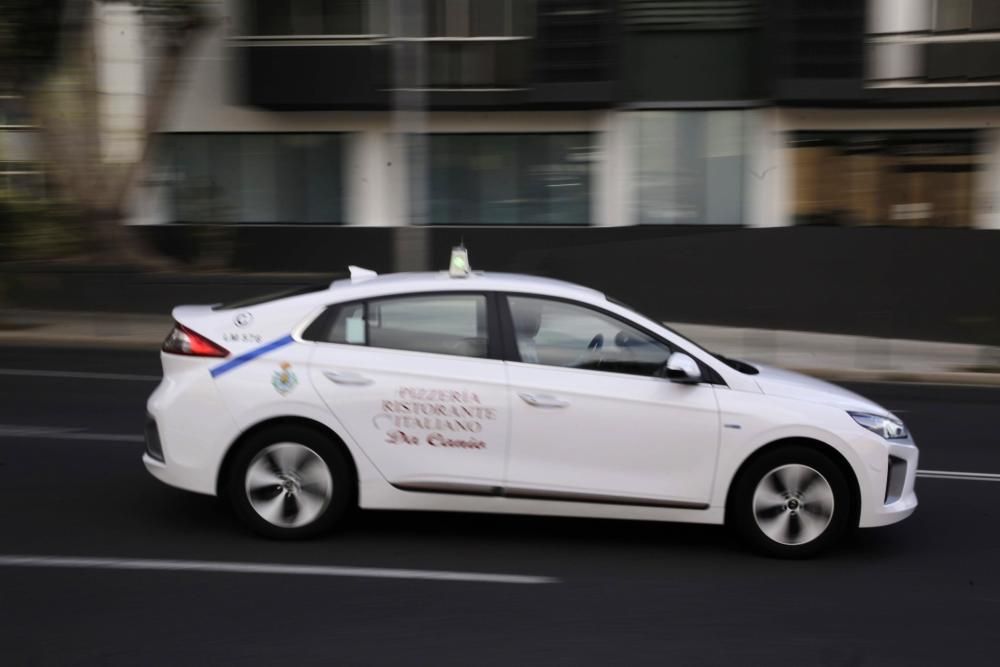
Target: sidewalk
[(829, 356), (853, 358), (83, 329)]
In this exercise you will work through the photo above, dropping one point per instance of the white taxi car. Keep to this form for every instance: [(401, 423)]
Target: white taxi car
[(480, 392)]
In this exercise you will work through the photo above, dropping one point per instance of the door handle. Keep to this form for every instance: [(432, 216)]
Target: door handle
[(543, 400), (347, 378)]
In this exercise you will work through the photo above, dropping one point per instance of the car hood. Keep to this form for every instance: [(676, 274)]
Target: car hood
[(788, 384)]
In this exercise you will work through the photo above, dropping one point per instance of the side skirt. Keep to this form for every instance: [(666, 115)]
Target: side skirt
[(521, 493)]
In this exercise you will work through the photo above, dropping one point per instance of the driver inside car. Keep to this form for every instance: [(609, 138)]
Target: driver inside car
[(527, 321)]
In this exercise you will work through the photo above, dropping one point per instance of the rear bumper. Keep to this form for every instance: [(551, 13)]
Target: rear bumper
[(180, 479), (188, 428)]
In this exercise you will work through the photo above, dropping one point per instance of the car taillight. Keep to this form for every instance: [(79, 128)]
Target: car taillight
[(184, 341)]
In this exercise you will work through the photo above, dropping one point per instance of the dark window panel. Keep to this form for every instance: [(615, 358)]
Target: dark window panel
[(254, 177), (986, 15), (522, 17), (477, 64), (270, 18), (307, 17), (345, 17), (509, 178), (512, 62), (457, 18), (948, 60), (487, 18), (439, 61), (952, 15), (435, 17), (984, 60)]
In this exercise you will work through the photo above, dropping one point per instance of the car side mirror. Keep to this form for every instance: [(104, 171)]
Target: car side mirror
[(682, 369)]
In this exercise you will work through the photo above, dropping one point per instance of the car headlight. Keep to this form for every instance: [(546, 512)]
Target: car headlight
[(887, 427)]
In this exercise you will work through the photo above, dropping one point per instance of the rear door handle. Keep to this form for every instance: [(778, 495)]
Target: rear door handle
[(543, 400), (347, 378)]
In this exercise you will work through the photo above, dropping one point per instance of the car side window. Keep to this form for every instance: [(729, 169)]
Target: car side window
[(340, 323), (440, 323), (348, 325), (557, 333)]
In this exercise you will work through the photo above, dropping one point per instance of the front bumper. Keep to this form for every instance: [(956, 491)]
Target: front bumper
[(897, 498)]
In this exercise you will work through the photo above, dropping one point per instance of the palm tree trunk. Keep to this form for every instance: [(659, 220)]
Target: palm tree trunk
[(67, 109)]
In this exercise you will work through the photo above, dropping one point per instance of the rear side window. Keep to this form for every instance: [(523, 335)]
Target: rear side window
[(442, 324), (347, 325), (340, 323), (452, 324)]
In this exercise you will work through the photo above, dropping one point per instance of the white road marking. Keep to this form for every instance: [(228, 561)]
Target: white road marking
[(67, 433), (952, 474), (80, 375), (266, 568)]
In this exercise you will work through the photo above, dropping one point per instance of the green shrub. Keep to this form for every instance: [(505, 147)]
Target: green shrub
[(37, 230)]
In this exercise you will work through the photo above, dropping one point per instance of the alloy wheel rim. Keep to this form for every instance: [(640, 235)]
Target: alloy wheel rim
[(793, 504), (288, 485)]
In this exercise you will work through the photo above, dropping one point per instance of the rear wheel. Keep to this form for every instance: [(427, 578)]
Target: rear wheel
[(791, 502), (290, 482)]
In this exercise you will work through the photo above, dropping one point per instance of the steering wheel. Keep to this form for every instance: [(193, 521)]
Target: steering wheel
[(587, 355)]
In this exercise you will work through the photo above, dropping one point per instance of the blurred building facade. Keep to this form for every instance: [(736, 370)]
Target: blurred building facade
[(474, 112), (20, 171), (577, 113)]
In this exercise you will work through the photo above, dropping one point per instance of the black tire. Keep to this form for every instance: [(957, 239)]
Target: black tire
[(801, 514), (259, 450)]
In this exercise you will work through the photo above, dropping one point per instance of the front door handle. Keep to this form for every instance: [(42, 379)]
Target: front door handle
[(543, 400), (347, 378)]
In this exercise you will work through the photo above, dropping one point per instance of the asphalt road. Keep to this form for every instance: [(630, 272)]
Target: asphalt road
[(925, 591)]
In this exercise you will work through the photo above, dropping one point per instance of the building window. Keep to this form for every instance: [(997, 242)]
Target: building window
[(508, 179), (470, 43), (21, 174), (22, 180), (916, 42), (950, 15), (478, 64), (13, 113), (921, 178), (253, 178), (689, 167), (311, 17), (478, 18), (435, 18)]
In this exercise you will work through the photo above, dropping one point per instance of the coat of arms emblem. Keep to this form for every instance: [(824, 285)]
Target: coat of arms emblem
[(284, 379)]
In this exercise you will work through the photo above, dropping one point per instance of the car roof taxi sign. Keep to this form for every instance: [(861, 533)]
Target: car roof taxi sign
[(458, 267)]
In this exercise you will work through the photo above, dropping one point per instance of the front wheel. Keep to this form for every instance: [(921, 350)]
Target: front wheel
[(290, 483), (791, 502)]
